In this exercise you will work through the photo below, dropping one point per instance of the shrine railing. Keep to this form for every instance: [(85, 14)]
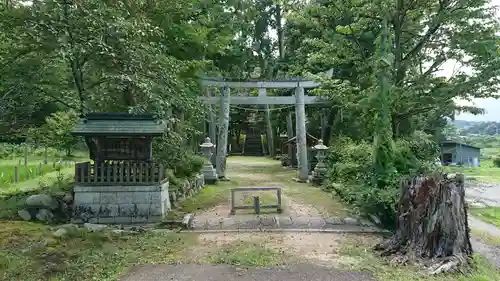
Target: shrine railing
[(119, 173)]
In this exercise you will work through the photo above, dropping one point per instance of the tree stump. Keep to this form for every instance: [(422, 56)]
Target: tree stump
[(431, 224)]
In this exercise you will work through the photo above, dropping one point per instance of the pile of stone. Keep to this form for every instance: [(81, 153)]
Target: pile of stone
[(47, 208)]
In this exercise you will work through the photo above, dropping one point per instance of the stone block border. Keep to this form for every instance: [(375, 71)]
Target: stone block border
[(277, 223), (130, 204)]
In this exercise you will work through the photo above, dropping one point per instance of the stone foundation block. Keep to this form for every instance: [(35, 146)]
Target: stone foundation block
[(121, 204)]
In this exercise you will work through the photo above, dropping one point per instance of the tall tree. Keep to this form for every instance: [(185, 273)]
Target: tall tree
[(425, 35)]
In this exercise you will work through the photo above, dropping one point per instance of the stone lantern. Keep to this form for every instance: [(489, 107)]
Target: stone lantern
[(208, 170), (320, 170)]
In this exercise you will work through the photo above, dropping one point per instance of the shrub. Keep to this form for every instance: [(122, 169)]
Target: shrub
[(352, 178), (176, 156), (496, 161), (189, 165), (172, 179)]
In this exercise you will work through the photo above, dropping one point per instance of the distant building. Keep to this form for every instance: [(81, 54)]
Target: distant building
[(456, 153)]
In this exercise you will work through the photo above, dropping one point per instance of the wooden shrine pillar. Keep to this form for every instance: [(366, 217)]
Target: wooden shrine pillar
[(223, 133), (269, 132), (300, 114)]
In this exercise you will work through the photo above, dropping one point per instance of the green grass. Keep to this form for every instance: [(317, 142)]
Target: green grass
[(486, 237), (271, 174), (245, 253), (13, 196), (12, 199), (210, 196), (7, 173), (29, 251), (359, 250), (302, 193), (46, 181), (487, 152), (490, 214), (486, 172), (326, 203)]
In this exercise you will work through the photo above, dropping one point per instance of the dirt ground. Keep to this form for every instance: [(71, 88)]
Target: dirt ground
[(317, 248), (197, 272)]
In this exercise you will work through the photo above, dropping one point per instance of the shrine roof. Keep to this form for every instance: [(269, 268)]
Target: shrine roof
[(118, 124)]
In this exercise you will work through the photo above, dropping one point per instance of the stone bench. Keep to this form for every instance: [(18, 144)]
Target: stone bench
[(256, 202)]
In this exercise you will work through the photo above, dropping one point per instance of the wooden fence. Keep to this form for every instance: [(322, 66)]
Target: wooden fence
[(118, 172)]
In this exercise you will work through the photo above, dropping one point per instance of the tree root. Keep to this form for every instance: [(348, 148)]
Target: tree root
[(450, 264)]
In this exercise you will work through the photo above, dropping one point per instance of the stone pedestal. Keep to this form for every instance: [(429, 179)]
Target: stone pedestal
[(209, 174), (121, 204)]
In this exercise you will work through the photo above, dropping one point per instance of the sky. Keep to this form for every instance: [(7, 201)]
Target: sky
[(490, 105)]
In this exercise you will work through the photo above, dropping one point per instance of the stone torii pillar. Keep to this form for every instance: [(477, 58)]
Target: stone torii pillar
[(212, 124), (300, 114), (290, 134), (223, 133)]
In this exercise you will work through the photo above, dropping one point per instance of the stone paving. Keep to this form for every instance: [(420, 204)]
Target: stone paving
[(281, 222)]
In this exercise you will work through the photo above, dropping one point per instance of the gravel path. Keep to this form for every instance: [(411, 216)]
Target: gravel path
[(482, 194), (482, 226), (208, 272), (491, 253)]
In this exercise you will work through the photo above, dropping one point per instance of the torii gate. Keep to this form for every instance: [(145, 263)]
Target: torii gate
[(299, 99)]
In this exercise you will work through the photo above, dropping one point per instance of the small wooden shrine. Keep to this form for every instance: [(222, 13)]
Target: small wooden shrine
[(121, 184)]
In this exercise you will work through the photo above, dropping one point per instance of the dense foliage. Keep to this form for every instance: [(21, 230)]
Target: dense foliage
[(496, 161), (352, 172), (387, 87), (105, 56), (59, 59)]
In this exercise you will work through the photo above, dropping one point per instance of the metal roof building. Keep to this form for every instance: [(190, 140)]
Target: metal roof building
[(456, 153)]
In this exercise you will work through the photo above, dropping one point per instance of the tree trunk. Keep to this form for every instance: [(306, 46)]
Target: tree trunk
[(330, 124), (431, 224), (281, 35)]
